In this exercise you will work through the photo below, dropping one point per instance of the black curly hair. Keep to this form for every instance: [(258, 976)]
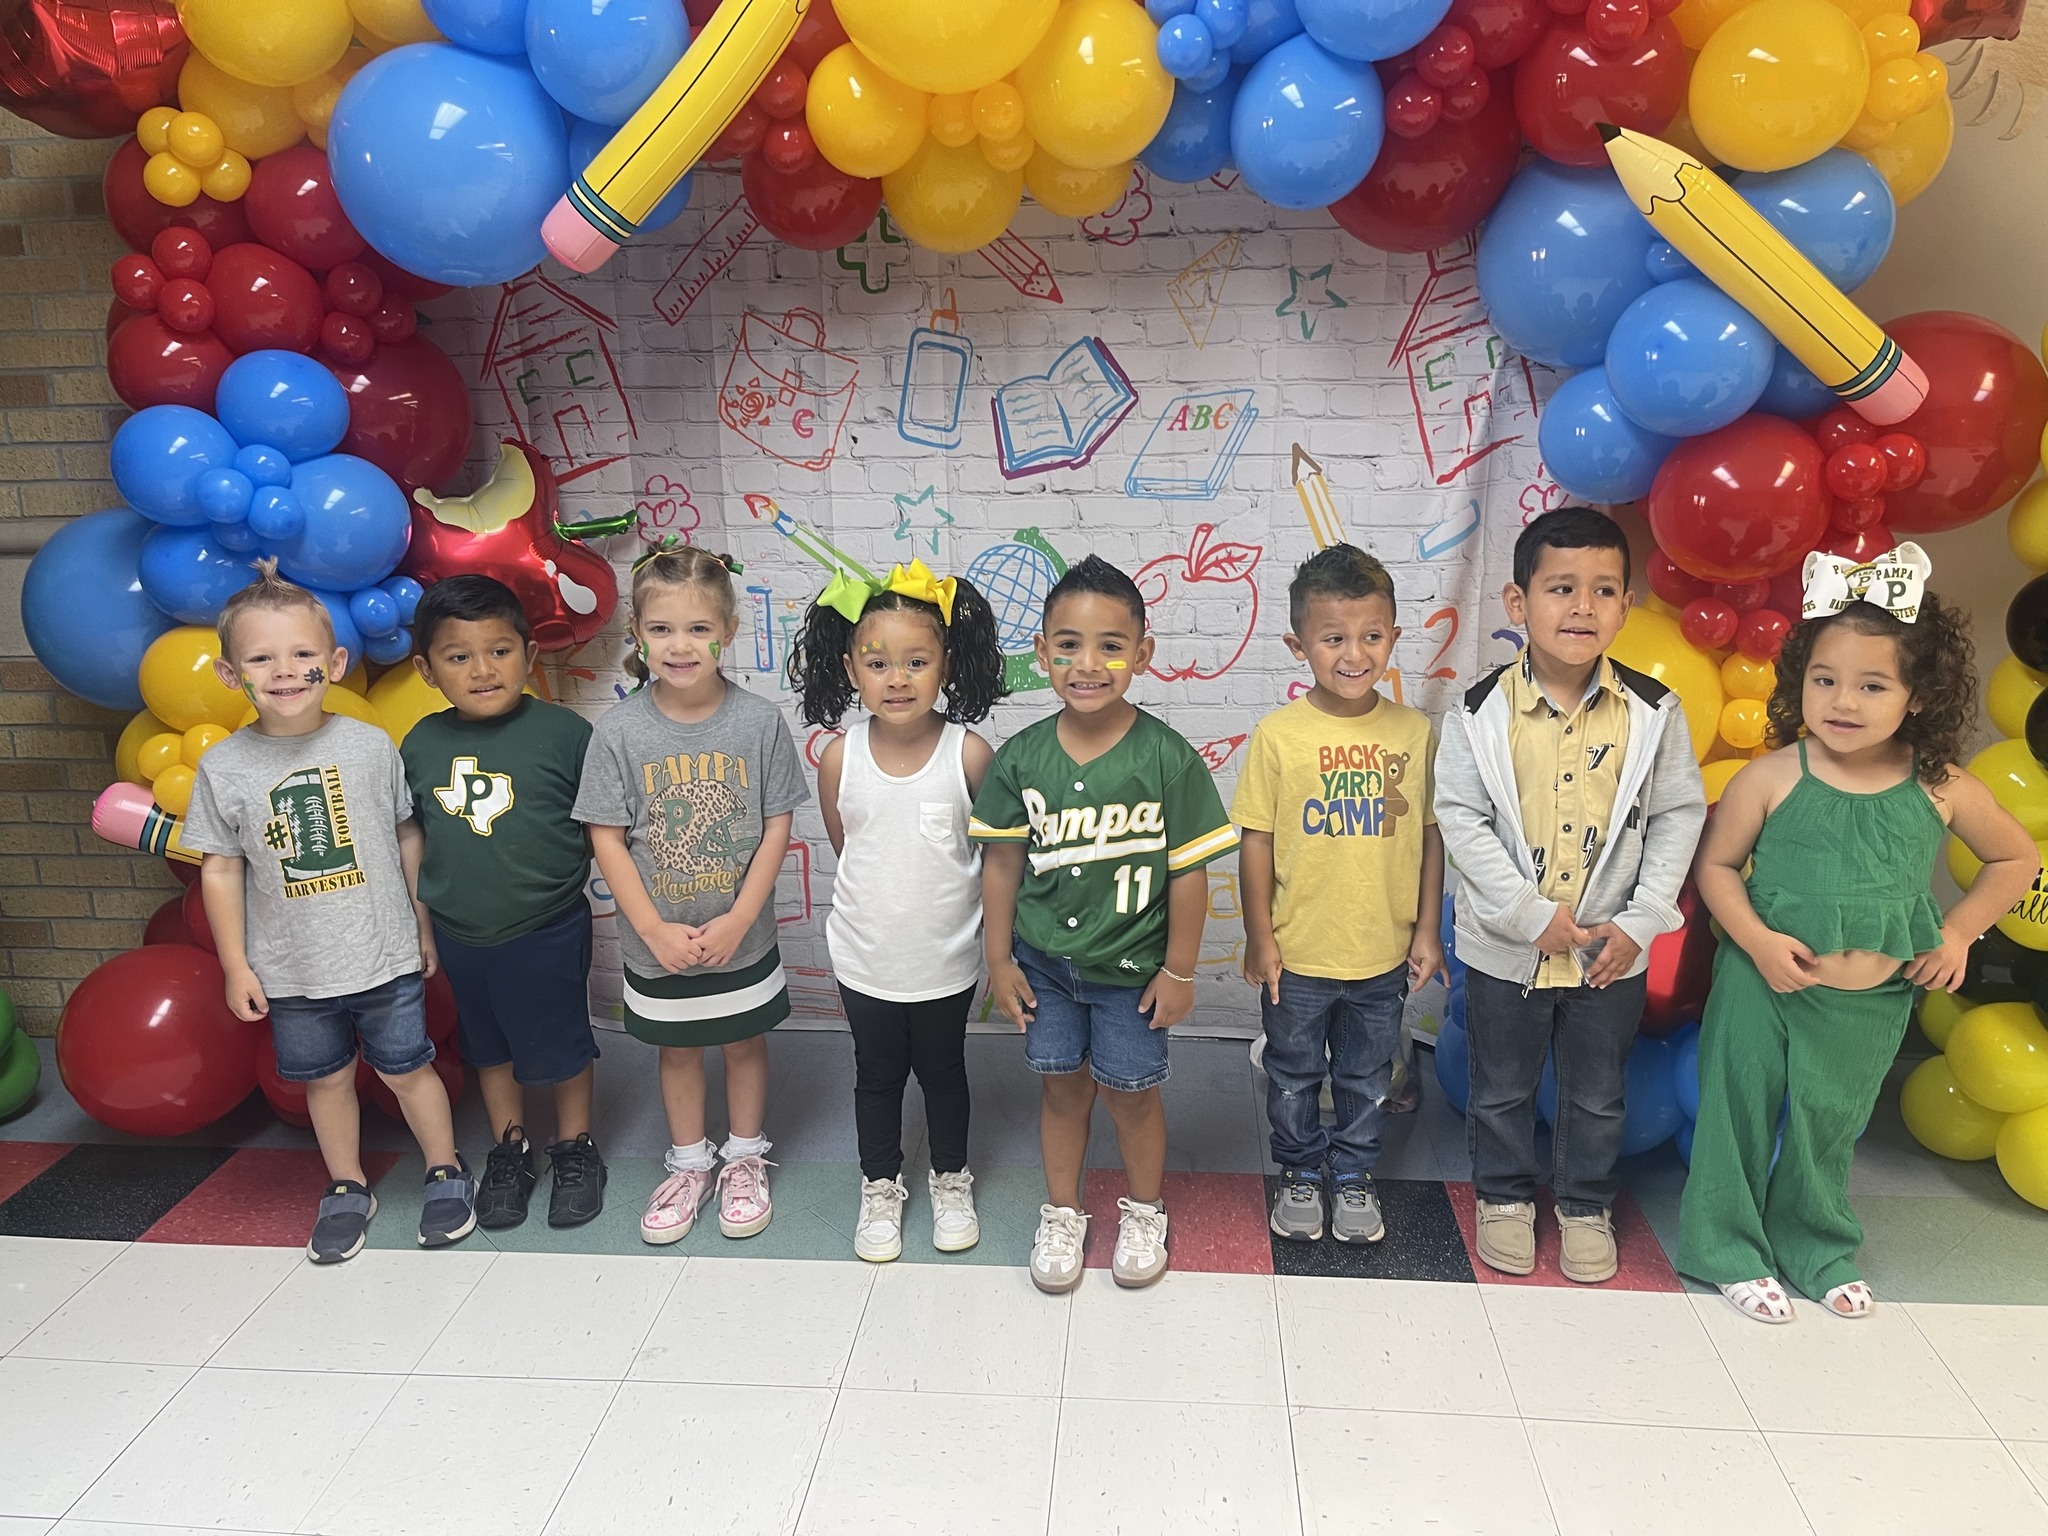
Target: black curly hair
[(974, 656), (1937, 664)]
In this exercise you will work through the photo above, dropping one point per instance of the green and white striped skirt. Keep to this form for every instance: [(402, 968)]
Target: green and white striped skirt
[(708, 1007)]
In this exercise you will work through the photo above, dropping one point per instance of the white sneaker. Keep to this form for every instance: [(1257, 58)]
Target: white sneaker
[(1140, 1243), (1056, 1250), (878, 1237), (955, 1227)]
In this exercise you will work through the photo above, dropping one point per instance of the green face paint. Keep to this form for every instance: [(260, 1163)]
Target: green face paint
[(1063, 661), (717, 650), (248, 688)]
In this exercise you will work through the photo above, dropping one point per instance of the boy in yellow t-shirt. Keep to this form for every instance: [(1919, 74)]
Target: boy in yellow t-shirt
[(1343, 876)]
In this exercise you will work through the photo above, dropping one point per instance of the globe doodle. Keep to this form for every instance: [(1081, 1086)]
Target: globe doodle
[(1015, 578)]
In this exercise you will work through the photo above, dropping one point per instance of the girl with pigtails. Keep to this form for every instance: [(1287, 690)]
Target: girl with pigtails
[(921, 656)]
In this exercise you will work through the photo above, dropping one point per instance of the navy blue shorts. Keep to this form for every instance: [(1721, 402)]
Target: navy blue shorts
[(316, 1037), (1081, 1023), (526, 1001)]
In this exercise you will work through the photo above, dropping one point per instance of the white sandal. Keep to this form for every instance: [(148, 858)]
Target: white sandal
[(1763, 1299), (1856, 1293)]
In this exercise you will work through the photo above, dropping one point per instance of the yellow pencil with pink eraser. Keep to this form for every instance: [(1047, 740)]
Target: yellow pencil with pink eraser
[(129, 815)]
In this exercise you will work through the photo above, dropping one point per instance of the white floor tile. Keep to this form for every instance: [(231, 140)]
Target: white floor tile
[(162, 1304), (1874, 1375), (241, 1450), (1389, 1343), (123, 1528), (677, 1457), (1392, 1474), (548, 1314), (1871, 1485), (901, 1463), (710, 1329), (66, 1422), (1223, 1469), (1644, 1480), (954, 1328), (38, 1275), (1614, 1357), (434, 1462), (2032, 1455), (25, 1525), (1189, 1339), (378, 1312), (2000, 1355)]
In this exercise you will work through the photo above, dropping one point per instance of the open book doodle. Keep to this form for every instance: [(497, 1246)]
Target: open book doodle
[(1059, 418), (1190, 450)]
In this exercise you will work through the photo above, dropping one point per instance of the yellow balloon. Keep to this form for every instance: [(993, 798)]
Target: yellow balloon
[(1679, 134), (227, 180), (128, 748), (253, 120), (1718, 776), (1916, 151), (1651, 643), (1777, 83), (269, 42), (2026, 922), (1072, 192), (1867, 132), (194, 743), (159, 753), (1011, 154), (1938, 1013), (1864, 12), (153, 130), (946, 45), (1963, 865), (340, 701), (2023, 1156), (951, 119), (170, 180), (173, 789), (403, 21), (1094, 90), (179, 684), (2010, 693), (2018, 782), (1698, 20), (1898, 89), (1944, 1119), (403, 698), (998, 111), (952, 199), (1999, 1054), (2026, 528), (1742, 678), (314, 101), (1890, 37), (862, 119), (195, 139), (357, 680), (1742, 723)]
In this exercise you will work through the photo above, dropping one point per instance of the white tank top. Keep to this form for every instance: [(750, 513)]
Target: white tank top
[(905, 924)]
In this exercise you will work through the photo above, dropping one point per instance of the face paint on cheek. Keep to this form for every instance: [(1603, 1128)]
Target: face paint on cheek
[(315, 675), (717, 650), (1116, 666), (871, 648), (1063, 661), (248, 688)]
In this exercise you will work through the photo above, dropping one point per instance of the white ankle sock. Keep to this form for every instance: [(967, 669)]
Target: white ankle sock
[(698, 1159), (737, 1147)]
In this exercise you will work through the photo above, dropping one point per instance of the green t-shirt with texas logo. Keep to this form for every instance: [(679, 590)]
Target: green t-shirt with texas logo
[(1102, 839), (504, 853)]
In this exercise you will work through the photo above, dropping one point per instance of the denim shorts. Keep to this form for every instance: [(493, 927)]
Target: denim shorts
[(316, 1037), (1089, 1023), (526, 1001)]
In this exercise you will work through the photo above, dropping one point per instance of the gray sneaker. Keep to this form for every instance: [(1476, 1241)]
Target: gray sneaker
[(1355, 1216), (1298, 1208)]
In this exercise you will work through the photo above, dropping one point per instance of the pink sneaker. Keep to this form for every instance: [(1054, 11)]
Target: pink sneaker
[(743, 1203), (673, 1209)]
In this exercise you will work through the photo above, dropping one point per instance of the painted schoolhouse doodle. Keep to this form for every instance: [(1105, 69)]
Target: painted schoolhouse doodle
[(875, 257), (1123, 224), (1203, 606), (937, 366), (1059, 418), (920, 521), (1189, 452), (1023, 266), (1308, 295), (1016, 578), (550, 356), (1197, 291), (785, 391), (704, 262), (666, 513), (1472, 395), (1453, 530), (1317, 505)]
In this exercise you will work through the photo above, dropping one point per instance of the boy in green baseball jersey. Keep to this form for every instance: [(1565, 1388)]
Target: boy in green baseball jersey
[(1097, 825)]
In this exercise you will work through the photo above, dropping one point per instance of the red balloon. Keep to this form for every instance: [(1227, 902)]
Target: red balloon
[(788, 148), (1788, 588), (1501, 30), (1863, 544), (401, 285), (1467, 98), (1613, 25), (197, 929), (1413, 107), (1987, 401), (1446, 56), (1681, 967), (1839, 427), (151, 364), (185, 306), (167, 924), (1905, 460), (816, 35), (782, 94), (353, 289), (263, 300), (1671, 581), (1848, 516), (136, 216), (393, 321), (441, 1013), (1854, 470), (1568, 7), (700, 12), (1707, 623), (181, 252), (147, 1044), (408, 413), (1424, 193), (819, 208), (137, 281), (1565, 86), (1743, 595), (1742, 502), (88, 70), (741, 136), (447, 1067), (345, 339), (287, 1100), (293, 209), (185, 874), (1762, 634)]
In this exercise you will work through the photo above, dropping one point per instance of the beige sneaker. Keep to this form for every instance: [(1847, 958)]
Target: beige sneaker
[(1588, 1241), (1507, 1236)]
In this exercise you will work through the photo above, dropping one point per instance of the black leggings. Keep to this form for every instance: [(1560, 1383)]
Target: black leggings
[(890, 1041)]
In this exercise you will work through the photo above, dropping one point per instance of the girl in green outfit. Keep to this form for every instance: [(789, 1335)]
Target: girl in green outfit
[(1834, 927)]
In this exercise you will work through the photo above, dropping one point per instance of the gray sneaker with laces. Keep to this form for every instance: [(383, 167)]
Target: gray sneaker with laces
[(1298, 1208), (1355, 1213)]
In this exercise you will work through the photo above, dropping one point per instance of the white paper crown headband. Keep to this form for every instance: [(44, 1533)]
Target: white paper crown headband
[(1894, 581)]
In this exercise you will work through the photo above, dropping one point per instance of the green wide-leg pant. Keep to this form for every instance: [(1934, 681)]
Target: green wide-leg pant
[(1825, 1050)]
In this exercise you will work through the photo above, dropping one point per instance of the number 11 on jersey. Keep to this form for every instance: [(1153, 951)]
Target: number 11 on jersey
[(1123, 888)]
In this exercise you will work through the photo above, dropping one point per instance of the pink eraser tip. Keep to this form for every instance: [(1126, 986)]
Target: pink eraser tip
[(120, 811), (1897, 398), (572, 241)]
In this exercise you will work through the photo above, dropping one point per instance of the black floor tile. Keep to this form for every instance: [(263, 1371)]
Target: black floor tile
[(108, 1193), (1422, 1241)]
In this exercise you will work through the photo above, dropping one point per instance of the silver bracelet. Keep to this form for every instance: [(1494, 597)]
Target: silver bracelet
[(1176, 975)]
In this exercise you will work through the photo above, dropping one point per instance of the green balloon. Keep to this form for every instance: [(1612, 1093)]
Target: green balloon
[(21, 1068)]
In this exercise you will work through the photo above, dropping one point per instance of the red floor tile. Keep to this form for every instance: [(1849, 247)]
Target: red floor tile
[(263, 1197), (1217, 1221), (21, 1161), (1643, 1264)]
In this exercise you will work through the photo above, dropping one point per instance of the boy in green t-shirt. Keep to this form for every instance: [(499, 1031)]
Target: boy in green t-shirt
[(1343, 877), (493, 782), (1097, 824)]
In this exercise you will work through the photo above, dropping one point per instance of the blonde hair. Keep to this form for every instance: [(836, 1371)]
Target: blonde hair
[(271, 593), (685, 565)]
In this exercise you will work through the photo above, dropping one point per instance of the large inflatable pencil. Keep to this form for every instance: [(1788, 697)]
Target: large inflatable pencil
[(127, 814)]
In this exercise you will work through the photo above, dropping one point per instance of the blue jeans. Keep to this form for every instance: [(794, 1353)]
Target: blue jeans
[(1350, 1032), (316, 1037), (1081, 1023)]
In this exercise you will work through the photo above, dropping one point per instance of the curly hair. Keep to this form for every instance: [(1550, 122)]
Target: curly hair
[(683, 566), (1937, 664), (974, 656)]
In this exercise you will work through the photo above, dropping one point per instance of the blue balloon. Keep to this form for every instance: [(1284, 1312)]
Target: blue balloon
[(82, 604), (189, 573), (1591, 447), (1793, 392), (357, 525), (1685, 359), (159, 456), (346, 636), (1835, 209), (406, 593), (486, 26), (1685, 1070), (1306, 125), (1454, 1065), (600, 59), (1652, 1116), (1219, 70), (1163, 11), (1683, 1141), (586, 139), (284, 400), (389, 650), (239, 537), (375, 614), (264, 465), (1665, 265), (1185, 47), (1193, 143), (1560, 259), (447, 161), (223, 495), (1370, 29), (1225, 19), (275, 514), (1267, 24)]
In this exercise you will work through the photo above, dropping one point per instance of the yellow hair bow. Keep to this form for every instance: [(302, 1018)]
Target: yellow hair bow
[(850, 595)]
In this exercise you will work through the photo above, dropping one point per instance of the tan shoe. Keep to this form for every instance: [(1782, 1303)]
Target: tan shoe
[(1588, 1247), (1507, 1236)]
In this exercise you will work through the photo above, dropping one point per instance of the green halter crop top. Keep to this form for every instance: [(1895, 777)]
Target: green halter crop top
[(1839, 871)]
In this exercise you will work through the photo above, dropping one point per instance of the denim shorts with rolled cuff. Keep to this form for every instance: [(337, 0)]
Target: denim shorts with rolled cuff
[(1081, 1023), (316, 1037)]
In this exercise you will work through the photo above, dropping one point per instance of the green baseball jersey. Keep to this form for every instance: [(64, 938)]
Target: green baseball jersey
[(1103, 838)]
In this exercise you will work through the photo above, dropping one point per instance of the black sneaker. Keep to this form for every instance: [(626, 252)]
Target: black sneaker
[(507, 1184), (344, 1220), (578, 1192), (449, 1214)]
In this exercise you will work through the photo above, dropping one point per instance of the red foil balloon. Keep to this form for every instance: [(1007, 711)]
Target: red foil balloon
[(1987, 402), (819, 208), (86, 69), (1746, 501), (409, 413), (137, 217), (1501, 30), (1681, 967), (151, 364), (1424, 193), (293, 209), (1565, 86), (262, 299)]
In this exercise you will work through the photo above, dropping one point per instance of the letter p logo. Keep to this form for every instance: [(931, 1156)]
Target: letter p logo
[(478, 798)]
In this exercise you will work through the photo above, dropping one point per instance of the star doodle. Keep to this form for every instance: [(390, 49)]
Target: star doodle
[(1303, 300), (921, 520)]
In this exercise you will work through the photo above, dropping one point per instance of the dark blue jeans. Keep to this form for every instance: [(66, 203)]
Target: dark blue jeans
[(1348, 1031)]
